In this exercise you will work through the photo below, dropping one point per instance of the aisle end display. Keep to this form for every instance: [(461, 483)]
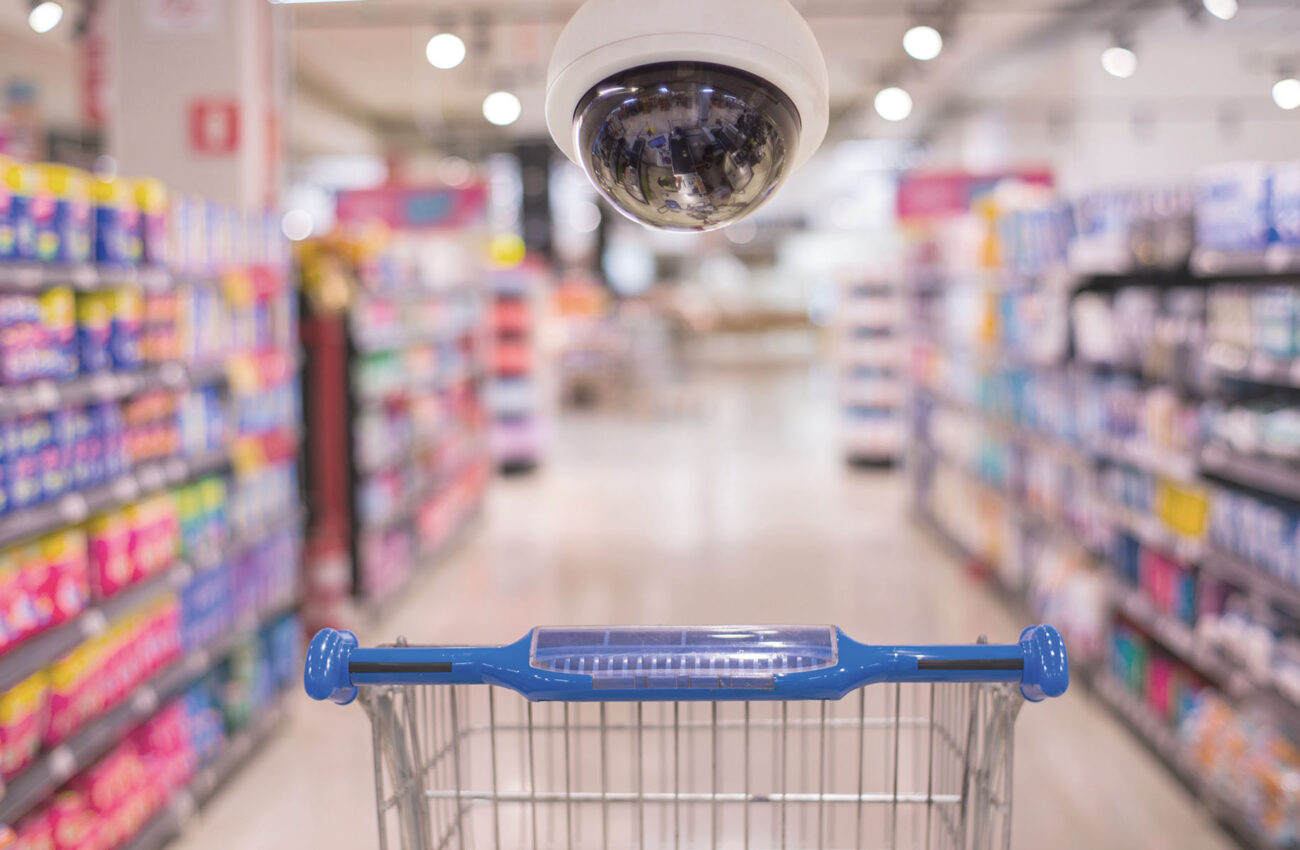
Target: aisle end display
[(394, 337)]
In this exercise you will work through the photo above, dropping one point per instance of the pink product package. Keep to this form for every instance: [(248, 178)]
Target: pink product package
[(110, 561)]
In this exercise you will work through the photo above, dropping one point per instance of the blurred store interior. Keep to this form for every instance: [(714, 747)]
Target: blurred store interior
[(306, 323)]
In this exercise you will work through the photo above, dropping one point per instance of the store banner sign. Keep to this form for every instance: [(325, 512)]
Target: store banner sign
[(181, 17), (412, 208), (937, 194)]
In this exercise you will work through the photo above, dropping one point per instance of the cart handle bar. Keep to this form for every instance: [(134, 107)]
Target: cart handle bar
[(684, 663)]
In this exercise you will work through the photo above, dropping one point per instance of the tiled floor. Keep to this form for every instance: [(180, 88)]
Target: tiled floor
[(739, 513)]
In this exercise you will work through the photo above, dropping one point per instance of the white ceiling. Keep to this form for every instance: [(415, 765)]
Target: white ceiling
[(367, 59)]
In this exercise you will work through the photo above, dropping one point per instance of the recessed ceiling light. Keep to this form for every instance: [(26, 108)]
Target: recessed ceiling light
[(1286, 93), (1224, 10), (922, 42), (502, 108), (1119, 61), (45, 16), (893, 103), (445, 51)]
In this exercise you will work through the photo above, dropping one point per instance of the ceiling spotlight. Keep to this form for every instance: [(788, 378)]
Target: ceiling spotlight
[(1224, 10), (501, 108), (922, 42), (445, 51), (893, 103), (1119, 61), (1286, 93), (45, 16)]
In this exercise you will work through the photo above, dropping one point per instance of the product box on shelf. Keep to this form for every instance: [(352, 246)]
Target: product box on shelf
[(61, 215), (1232, 207), (17, 224), (24, 715)]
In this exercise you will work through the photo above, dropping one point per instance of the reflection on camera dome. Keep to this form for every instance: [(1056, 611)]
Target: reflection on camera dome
[(686, 146)]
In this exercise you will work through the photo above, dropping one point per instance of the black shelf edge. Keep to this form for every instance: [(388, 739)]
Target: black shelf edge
[(79, 505), (1275, 476), (237, 752), (44, 396), (98, 736)]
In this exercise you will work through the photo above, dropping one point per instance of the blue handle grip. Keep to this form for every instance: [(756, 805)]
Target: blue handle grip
[(718, 663)]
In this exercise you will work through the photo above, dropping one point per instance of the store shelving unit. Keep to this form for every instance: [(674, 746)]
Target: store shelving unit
[(398, 454), (516, 390), (871, 366), (259, 426), (180, 811), (972, 453)]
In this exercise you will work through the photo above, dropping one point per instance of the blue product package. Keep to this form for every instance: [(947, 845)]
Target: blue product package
[(1284, 203), (1233, 207), (17, 229)]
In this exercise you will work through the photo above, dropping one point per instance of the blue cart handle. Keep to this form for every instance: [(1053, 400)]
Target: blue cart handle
[(684, 663)]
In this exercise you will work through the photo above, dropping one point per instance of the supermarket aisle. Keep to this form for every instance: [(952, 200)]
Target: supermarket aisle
[(740, 514)]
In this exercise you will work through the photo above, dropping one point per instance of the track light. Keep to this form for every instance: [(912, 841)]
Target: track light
[(1224, 10), (893, 103), (1119, 60), (445, 51), (922, 42), (44, 16), (501, 108), (1286, 93)]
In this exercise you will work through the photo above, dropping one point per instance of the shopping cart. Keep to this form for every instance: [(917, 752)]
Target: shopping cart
[(685, 738)]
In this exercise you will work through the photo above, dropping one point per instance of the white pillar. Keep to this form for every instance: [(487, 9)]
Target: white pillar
[(197, 95)]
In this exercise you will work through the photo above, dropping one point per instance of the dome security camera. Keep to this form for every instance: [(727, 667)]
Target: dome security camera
[(687, 114)]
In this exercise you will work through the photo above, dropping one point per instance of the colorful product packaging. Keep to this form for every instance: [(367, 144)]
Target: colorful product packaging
[(24, 710), (94, 331), (6, 212), (62, 215), (151, 204), (127, 315), (117, 222), (109, 540), (17, 226), (1232, 207), (1284, 203)]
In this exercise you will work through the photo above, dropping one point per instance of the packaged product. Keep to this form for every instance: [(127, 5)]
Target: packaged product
[(117, 222), (62, 215), (73, 823), (24, 710), (151, 204), (109, 554), (94, 331), (35, 831), (1232, 207), (127, 314), (6, 212), (1284, 202), (18, 227), (58, 309)]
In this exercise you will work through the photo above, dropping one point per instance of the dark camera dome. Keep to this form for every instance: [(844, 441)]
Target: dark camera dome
[(685, 145)]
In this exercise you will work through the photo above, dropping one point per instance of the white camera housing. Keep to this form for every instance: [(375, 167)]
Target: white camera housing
[(711, 87)]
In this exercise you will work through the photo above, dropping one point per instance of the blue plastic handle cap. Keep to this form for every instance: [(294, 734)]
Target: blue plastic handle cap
[(326, 674), (1047, 667)]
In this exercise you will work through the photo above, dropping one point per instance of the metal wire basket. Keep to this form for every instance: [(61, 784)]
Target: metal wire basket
[(703, 748)]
